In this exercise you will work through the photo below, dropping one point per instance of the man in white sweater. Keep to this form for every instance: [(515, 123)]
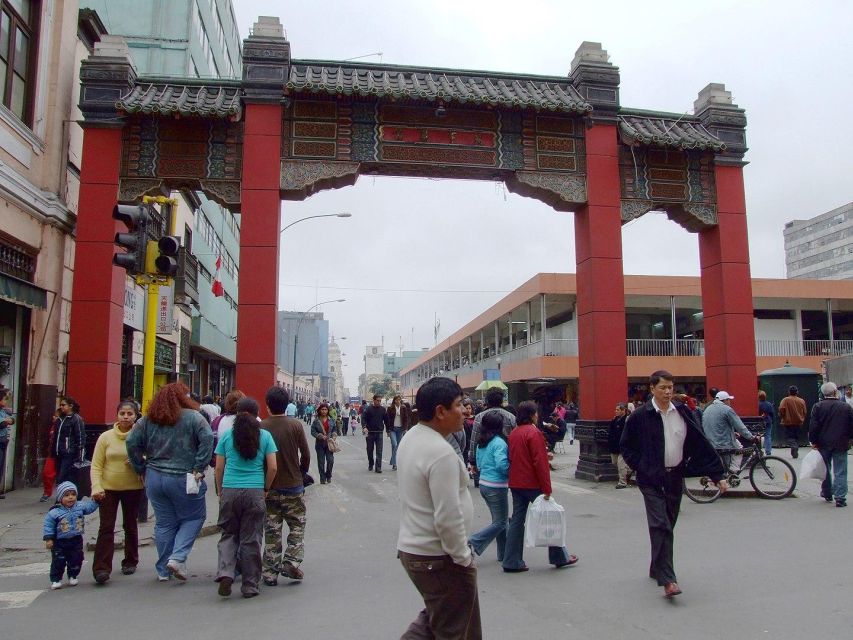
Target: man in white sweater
[(435, 518)]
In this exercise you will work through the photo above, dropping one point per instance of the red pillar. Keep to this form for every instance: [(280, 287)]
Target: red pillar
[(727, 295), (259, 236), (97, 295), (600, 281)]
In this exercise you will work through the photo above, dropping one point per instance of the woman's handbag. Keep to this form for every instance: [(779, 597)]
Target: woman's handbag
[(545, 525), (332, 445)]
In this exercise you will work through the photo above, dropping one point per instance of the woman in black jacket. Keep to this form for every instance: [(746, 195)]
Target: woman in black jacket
[(69, 439)]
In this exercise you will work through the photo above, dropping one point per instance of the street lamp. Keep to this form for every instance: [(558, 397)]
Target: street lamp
[(344, 214), (301, 318)]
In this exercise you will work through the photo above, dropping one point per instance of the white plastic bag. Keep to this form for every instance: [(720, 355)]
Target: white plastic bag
[(545, 524), (193, 485), (813, 466)]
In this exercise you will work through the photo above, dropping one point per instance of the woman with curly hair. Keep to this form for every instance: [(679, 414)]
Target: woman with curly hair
[(322, 429), (242, 485), (171, 442)]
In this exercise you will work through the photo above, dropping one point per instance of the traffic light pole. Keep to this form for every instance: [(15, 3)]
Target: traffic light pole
[(150, 344), (152, 281)]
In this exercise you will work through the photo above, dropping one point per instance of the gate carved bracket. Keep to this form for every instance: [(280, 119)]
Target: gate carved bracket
[(302, 178), (559, 190)]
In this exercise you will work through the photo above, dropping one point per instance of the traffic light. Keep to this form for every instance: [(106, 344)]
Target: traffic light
[(135, 218), (166, 264)]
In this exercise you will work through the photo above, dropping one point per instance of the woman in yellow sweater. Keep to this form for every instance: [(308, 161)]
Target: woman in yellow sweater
[(114, 483)]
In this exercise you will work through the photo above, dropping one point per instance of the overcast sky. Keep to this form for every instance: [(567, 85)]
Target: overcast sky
[(417, 248)]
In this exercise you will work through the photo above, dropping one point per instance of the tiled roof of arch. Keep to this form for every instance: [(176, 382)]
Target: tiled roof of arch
[(414, 83), (169, 98), (668, 131)]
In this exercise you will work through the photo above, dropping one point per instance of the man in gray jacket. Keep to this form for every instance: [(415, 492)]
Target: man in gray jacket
[(720, 424)]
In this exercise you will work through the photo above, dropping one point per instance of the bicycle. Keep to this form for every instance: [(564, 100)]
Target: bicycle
[(771, 477)]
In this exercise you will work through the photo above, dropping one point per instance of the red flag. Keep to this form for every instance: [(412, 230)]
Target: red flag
[(217, 288)]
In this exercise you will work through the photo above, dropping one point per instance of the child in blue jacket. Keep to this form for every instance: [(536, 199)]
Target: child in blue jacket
[(63, 533)]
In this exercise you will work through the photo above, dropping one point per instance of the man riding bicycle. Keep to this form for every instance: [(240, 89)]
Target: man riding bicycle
[(721, 426)]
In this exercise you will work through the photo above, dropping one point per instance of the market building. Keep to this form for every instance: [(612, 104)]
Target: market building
[(531, 336)]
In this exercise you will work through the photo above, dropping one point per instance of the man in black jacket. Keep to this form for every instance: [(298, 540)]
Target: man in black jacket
[(662, 443), (830, 430), (373, 423)]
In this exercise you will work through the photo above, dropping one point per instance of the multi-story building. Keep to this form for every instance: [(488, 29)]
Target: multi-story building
[(41, 48), (821, 247), (196, 40), (374, 369), (312, 352), (337, 392), (530, 337)]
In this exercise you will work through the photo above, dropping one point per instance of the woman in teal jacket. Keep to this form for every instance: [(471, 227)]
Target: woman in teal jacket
[(493, 464)]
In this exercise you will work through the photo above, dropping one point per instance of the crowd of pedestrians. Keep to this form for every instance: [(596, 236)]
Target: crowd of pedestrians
[(440, 444)]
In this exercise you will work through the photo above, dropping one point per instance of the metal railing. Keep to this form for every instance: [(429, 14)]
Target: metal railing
[(803, 347), (664, 347), (650, 348)]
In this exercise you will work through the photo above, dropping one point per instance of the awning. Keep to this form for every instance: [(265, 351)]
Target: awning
[(20, 292), (490, 384)]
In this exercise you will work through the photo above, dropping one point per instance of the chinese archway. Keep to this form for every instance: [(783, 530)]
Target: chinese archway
[(290, 128)]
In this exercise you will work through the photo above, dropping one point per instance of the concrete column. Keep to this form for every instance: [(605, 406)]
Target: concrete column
[(727, 294), (259, 249), (97, 295), (601, 309)]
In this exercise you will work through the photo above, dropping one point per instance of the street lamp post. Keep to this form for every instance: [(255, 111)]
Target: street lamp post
[(299, 324), (344, 214)]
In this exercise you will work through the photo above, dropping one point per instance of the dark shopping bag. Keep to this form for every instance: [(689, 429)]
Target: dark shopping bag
[(81, 475)]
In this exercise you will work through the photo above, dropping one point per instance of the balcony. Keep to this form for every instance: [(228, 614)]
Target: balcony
[(186, 280), (822, 348), (633, 348)]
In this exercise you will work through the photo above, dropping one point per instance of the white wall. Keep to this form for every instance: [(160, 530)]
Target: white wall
[(776, 330)]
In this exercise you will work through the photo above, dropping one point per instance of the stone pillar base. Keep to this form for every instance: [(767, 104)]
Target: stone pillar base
[(594, 461)]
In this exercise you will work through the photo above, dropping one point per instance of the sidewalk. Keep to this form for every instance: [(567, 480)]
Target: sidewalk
[(22, 517)]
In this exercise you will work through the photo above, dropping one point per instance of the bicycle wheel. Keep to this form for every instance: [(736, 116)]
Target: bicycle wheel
[(701, 489), (773, 478)]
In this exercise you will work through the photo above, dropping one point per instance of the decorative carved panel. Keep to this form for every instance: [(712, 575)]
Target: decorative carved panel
[(180, 149), (301, 178), (678, 182)]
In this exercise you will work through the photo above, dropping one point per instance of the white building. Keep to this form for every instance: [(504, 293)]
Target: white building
[(821, 247)]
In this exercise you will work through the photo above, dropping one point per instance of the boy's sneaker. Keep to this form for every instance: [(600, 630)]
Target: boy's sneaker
[(177, 569), (163, 578), (73, 582), (55, 585)]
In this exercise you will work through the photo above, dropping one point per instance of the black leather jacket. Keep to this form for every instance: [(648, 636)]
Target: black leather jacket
[(642, 446), (69, 437)]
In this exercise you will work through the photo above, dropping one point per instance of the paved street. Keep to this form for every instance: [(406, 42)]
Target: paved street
[(749, 569)]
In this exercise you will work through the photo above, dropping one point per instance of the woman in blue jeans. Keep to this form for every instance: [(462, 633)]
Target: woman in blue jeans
[(173, 441), (493, 465)]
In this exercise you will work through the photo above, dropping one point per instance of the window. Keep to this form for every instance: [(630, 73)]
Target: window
[(17, 43)]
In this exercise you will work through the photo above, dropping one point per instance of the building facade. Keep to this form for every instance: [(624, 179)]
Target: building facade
[(308, 334), (531, 335), (821, 248), (40, 161)]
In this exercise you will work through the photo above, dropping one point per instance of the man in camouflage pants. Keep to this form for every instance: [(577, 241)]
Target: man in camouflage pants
[(286, 497)]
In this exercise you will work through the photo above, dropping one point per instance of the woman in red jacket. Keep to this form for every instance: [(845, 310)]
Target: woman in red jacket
[(529, 476)]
